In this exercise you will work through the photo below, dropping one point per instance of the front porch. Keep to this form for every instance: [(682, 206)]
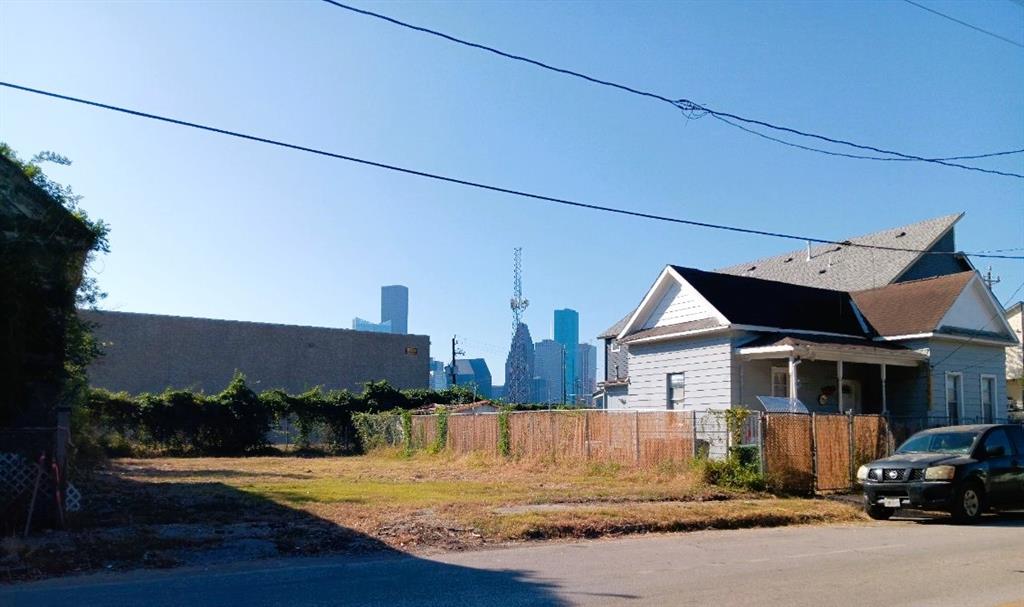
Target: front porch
[(833, 375)]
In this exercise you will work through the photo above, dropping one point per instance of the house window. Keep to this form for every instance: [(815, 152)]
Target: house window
[(954, 396), (780, 381), (988, 397), (614, 346), (676, 386)]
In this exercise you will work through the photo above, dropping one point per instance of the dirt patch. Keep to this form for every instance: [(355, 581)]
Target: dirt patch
[(168, 512)]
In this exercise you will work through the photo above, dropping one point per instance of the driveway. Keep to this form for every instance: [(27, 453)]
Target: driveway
[(902, 562)]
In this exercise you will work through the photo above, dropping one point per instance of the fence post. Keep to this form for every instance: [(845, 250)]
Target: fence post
[(554, 440), (853, 451), (814, 455), (636, 435), (693, 432), (762, 423), (586, 435)]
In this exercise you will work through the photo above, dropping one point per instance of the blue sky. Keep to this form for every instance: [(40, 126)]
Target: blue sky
[(208, 226)]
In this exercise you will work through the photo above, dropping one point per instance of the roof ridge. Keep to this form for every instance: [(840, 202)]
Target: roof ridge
[(854, 239), (740, 276)]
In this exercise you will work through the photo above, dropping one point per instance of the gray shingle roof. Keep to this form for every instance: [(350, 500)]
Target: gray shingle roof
[(844, 268)]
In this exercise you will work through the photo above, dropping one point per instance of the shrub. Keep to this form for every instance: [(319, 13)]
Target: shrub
[(238, 421), (378, 430), (730, 472)]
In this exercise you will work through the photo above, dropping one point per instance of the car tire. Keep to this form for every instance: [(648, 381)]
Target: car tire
[(968, 503), (879, 513)]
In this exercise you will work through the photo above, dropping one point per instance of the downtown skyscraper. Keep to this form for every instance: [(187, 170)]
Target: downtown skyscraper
[(567, 334), (394, 308)]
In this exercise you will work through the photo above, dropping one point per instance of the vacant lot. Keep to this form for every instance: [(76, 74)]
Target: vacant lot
[(171, 511)]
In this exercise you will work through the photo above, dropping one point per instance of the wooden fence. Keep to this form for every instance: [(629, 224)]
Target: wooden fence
[(798, 452)]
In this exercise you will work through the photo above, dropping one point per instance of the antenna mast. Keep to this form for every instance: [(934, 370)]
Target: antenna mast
[(517, 384)]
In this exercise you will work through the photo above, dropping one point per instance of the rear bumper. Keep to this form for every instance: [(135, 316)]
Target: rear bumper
[(919, 494)]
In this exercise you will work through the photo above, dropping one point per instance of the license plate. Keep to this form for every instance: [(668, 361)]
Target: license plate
[(891, 502)]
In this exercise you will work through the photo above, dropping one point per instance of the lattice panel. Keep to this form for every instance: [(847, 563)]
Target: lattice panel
[(18, 476)]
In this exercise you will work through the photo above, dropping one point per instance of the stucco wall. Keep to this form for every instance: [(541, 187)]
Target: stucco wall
[(148, 353)]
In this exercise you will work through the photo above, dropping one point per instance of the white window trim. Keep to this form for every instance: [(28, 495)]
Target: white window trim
[(669, 403), (615, 347), (960, 397), (771, 380), (981, 396)]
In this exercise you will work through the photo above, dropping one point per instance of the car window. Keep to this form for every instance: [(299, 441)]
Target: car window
[(1017, 434), (941, 442), (998, 438)]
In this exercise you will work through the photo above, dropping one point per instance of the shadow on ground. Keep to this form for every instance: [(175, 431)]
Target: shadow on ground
[(128, 525), (1001, 519)]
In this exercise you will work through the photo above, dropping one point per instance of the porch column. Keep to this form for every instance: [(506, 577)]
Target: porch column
[(839, 382), (885, 408), (793, 363)]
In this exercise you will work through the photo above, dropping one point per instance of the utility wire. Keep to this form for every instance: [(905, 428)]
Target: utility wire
[(690, 109), (964, 23), (857, 156), (476, 184)]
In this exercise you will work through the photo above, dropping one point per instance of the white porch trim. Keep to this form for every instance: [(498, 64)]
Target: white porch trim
[(671, 336), (899, 358)]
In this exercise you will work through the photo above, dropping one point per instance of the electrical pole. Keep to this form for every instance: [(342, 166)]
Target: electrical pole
[(455, 380), (989, 280)]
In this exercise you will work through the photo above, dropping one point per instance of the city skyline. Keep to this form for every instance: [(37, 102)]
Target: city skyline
[(396, 96)]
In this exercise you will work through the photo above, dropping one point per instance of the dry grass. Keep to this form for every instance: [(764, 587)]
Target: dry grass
[(167, 511)]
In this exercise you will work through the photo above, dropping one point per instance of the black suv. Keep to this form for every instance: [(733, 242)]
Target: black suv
[(963, 470)]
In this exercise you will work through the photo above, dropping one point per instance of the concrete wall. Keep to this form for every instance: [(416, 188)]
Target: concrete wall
[(705, 361), (148, 353)]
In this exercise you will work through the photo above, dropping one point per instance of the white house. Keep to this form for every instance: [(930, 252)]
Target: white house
[(911, 346)]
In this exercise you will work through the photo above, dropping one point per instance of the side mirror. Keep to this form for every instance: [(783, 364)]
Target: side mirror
[(995, 451)]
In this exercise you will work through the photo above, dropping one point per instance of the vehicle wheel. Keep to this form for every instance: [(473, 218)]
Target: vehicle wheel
[(968, 503), (879, 513)]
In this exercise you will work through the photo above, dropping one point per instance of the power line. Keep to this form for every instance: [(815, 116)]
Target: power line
[(964, 23), (857, 156), (479, 185), (690, 109)]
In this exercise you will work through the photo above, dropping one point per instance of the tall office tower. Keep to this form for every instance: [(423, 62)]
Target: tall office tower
[(394, 307), (586, 373), (547, 357), (438, 376), (567, 333), (518, 385)]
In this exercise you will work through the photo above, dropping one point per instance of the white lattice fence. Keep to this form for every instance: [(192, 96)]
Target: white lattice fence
[(18, 476)]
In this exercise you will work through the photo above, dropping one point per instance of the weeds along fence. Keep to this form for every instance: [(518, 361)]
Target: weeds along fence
[(800, 453), (628, 437)]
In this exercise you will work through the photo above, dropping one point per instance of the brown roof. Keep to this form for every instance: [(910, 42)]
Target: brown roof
[(906, 308), (692, 325)]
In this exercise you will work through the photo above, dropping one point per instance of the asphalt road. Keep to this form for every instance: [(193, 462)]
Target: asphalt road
[(897, 563)]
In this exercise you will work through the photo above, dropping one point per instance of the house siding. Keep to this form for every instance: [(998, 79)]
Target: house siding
[(615, 361), (680, 303), (616, 397), (935, 265), (706, 362), (927, 395), (973, 360)]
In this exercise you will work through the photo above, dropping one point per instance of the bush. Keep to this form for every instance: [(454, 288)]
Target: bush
[(238, 421), (731, 472)]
